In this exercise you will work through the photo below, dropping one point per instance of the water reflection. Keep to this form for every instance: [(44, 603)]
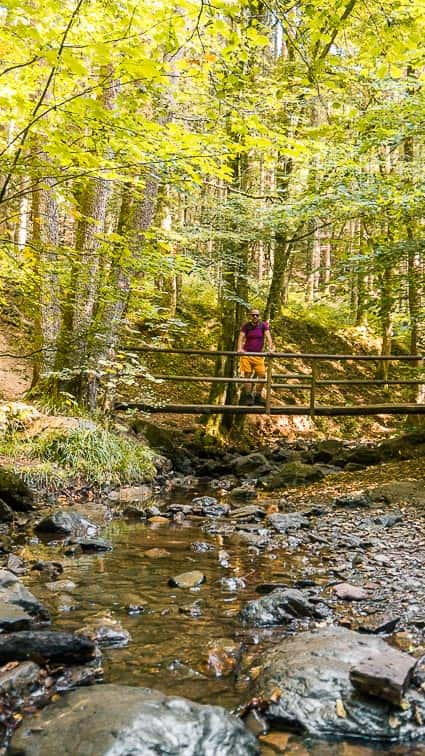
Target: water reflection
[(169, 641)]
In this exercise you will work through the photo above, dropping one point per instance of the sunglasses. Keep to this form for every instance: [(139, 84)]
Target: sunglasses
[(255, 314)]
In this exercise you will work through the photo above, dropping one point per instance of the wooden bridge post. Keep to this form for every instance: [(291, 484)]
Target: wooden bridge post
[(269, 382), (313, 387)]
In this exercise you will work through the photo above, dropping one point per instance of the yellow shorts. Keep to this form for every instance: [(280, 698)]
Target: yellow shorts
[(253, 365)]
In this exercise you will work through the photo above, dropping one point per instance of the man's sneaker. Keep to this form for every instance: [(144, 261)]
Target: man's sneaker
[(258, 399), (249, 401)]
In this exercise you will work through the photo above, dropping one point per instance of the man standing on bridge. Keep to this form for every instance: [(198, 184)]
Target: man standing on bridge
[(252, 336)]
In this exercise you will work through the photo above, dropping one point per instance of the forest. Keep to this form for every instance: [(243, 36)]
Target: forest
[(192, 563), (222, 152)]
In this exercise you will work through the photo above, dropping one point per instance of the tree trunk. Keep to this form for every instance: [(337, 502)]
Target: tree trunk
[(45, 237)]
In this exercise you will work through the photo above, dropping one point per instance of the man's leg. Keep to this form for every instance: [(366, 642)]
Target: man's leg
[(246, 367), (260, 372)]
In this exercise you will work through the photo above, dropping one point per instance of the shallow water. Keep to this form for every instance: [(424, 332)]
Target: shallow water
[(168, 648)]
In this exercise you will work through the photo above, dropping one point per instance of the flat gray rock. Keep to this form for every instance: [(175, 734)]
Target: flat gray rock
[(12, 591), (386, 675), (114, 720), (312, 673), (12, 617)]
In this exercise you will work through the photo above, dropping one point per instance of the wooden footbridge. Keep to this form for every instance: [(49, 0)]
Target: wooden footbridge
[(309, 383)]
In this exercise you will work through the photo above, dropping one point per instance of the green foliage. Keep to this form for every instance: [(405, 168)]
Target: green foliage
[(330, 316), (96, 455)]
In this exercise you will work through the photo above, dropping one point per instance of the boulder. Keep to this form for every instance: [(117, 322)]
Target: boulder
[(365, 455), (327, 449), (250, 463), (292, 474), (115, 719), (311, 671), (277, 608), (66, 522), (14, 492), (399, 491)]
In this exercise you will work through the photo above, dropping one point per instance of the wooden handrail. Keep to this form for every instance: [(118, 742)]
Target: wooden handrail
[(303, 382), (279, 355)]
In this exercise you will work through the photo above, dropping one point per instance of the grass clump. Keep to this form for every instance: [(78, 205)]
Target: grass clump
[(99, 456), (94, 454)]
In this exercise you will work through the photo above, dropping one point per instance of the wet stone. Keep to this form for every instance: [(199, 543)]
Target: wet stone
[(386, 675), (187, 579), (126, 720), (61, 585), (200, 547), (106, 632), (232, 583), (52, 569), (91, 544), (156, 553), (12, 591), (47, 645), (16, 565), (192, 610), (130, 494), (277, 608), (13, 618), (134, 511), (221, 658), (20, 679), (377, 623), (66, 522), (158, 520), (312, 673)]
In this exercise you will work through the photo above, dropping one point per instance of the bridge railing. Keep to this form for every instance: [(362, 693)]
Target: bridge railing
[(309, 382)]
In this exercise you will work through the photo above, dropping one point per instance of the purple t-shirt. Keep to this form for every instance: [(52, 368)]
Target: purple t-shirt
[(254, 336)]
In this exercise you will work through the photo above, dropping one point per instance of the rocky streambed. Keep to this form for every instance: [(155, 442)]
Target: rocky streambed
[(217, 612)]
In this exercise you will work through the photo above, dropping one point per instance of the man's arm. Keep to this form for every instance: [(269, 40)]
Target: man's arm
[(270, 347), (241, 341)]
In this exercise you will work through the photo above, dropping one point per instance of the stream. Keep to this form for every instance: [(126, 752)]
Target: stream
[(171, 627)]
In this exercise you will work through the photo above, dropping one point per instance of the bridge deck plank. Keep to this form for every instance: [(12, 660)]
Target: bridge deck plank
[(321, 410)]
